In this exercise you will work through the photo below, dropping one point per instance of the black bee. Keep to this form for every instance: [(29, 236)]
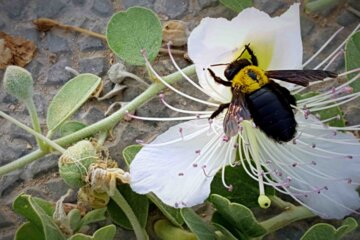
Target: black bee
[(255, 96)]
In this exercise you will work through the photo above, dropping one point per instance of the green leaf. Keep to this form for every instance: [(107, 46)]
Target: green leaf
[(324, 231), (70, 98), (166, 231), (352, 58), (138, 203), (245, 189), (129, 32), (171, 213), (237, 5), (70, 127), (108, 232), (197, 225), (222, 233), (130, 152), (18, 82), (218, 220), (238, 216), (75, 219), (93, 216), (37, 212), (28, 231)]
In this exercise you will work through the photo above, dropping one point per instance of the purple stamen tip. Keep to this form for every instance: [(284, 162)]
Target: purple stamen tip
[(230, 188), (181, 174), (194, 165)]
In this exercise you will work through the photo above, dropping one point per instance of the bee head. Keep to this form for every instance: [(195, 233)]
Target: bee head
[(234, 67), (249, 79)]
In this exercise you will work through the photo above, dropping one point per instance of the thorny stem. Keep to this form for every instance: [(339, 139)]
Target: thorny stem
[(102, 125), (123, 204), (40, 137), (290, 214), (45, 24)]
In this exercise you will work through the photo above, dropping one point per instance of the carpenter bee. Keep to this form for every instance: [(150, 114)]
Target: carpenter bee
[(255, 96)]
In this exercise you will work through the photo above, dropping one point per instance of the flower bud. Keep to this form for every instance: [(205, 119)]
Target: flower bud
[(18, 82), (75, 161)]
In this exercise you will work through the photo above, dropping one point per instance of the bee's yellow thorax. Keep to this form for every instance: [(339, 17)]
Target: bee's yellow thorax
[(249, 79)]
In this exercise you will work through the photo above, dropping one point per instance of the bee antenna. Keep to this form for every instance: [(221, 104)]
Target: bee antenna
[(220, 64)]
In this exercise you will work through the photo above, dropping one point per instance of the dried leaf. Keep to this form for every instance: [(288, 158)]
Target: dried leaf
[(45, 24), (15, 50)]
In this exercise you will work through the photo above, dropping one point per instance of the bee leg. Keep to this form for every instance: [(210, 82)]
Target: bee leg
[(252, 55), (219, 110), (218, 79)]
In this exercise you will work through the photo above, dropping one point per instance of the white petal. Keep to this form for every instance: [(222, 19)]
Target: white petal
[(318, 169), (276, 43), (172, 166)]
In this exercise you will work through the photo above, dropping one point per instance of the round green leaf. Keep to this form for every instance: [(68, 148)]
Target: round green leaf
[(328, 232), (238, 216), (129, 32), (70, 98), (18, 82)]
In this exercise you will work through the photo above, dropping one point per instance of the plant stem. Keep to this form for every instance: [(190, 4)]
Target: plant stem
[(35, 121), (33, 132), (102, 137), (291, 214), (123, 204), (102, 125)]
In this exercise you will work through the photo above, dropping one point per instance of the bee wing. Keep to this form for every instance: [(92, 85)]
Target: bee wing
[(237, 112), (300, 77)]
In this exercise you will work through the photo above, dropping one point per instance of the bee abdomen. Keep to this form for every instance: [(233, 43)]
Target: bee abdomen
[(272, 114)]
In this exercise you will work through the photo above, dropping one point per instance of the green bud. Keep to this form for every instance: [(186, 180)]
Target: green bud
[(75, 161), (18, 82)]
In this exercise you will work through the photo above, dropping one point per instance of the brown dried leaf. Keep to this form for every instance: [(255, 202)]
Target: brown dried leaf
[(15, 50), (45, 24)]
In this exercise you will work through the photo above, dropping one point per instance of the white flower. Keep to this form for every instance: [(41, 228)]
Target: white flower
[(320, 168)]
